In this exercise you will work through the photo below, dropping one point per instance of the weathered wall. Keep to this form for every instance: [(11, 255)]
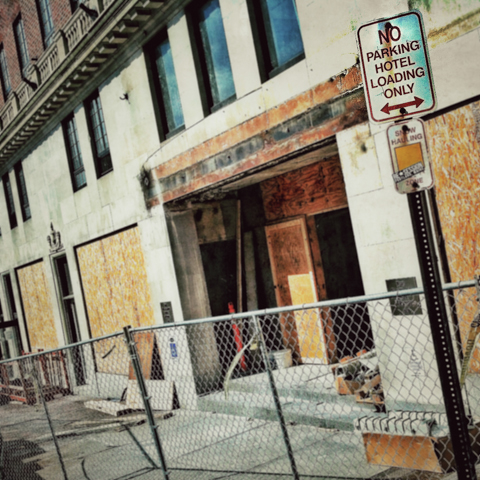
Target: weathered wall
[(105, 205)]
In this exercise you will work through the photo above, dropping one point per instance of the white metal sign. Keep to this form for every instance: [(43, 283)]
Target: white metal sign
[(396, 70), (409, 155)]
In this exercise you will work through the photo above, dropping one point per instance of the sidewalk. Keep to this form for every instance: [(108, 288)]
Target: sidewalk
[(197, 445)]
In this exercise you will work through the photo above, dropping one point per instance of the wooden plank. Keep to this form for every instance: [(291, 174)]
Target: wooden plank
[(309, 190), (250, 272), (145, 344), (308, 322), (239, 257)]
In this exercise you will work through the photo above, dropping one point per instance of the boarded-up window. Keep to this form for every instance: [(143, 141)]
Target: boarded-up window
[(37, 306), (116, 294), (115, 283)]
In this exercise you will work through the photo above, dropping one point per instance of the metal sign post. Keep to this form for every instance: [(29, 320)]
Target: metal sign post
[(442, 341), (398, 83)]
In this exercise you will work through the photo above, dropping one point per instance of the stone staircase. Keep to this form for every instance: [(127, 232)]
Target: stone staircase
[(307, 396)]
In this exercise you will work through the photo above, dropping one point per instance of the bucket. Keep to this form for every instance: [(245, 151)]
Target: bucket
[(282, 358)]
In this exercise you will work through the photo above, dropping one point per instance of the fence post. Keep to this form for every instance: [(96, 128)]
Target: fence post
[(276, 399), (442, 340), (132, 350), (42, 396)]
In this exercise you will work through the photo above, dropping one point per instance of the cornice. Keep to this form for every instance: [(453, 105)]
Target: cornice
[(80, 51)]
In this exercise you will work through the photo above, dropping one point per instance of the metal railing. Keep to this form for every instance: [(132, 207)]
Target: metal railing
[(337, 389)]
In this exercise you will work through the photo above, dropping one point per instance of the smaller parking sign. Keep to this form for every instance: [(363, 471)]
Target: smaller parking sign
[(412, 171)]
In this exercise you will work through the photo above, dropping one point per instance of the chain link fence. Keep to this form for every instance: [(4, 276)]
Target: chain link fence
[(338, 389)]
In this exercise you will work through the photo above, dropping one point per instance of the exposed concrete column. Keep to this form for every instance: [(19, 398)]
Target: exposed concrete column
[(194, 299)]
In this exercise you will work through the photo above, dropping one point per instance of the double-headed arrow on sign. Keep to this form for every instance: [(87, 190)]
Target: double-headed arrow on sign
[(417, 102)]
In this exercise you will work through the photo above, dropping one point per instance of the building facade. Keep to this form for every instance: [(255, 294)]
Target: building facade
[(162, 159)]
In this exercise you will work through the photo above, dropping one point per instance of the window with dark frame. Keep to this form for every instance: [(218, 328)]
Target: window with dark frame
[(277, 35), (22, 191), (12, 307), (212, 58), (70, 316), (7, 188), (21, 43), (4, 76), (170, 110), (98, 134), (46, 21), (74, 154)]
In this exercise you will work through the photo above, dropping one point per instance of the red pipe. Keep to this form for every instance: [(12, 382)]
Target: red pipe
[(238, 338)]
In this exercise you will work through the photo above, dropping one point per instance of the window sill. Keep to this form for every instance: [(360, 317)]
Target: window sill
[(103, 174), (224, 103), (77, 189), (174, 132), (286, 66)]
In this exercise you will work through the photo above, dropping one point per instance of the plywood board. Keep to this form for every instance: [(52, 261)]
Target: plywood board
[(38, 308), (289, 255), (145, 343), (308, 322), (454, 143), (312, 189), (401, 451), (117, 293)]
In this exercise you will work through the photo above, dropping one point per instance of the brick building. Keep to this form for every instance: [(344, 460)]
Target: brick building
[(145, 143)]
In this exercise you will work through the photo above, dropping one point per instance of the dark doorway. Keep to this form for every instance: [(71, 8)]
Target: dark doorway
[(343, 279), (220, 267)]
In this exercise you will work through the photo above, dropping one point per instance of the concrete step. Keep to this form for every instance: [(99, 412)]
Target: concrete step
[(338, 412), (307, 382)]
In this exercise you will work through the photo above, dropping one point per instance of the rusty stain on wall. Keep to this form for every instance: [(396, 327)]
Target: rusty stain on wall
[(460, 26), (455, 152), (116, 293), (300, 122), (38, 307)]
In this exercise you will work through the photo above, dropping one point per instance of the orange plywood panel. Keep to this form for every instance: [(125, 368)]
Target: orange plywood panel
[(312, 189), (402, 451), (454, 143), (289, 254), (38, 308), (117, 293), (308, 322)]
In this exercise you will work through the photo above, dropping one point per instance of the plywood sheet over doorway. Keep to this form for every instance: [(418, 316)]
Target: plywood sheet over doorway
[(38, 307), (292, 270)]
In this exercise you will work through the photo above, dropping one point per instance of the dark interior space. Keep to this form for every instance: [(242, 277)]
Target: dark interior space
[(253, 219), (219, 264), (343, 279)]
